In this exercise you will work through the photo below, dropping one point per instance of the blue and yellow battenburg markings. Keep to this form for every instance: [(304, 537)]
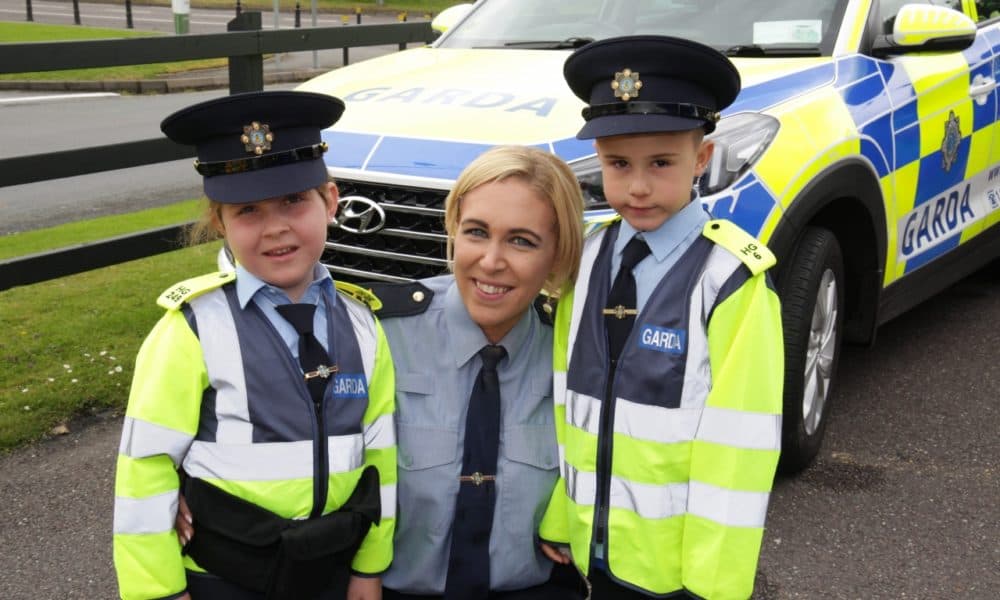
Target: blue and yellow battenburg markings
[(933, 149)]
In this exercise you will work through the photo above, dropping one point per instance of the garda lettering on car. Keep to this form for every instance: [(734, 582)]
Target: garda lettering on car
[(505, 101), (661, 339), (941, 218), (347, 385)]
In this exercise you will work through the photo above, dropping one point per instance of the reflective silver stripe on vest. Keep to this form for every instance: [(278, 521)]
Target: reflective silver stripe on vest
[(741, 429), (276, 461), (364, 331), (221, 348), (583, 412), (387, 495), (153, 514), (590, 251), (559, 388), (141, 439), (719, 266), (649, 501), (380, 434), (655, 423), (728, 507)]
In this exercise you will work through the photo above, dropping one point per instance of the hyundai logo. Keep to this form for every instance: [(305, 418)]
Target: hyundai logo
[(358, 214)]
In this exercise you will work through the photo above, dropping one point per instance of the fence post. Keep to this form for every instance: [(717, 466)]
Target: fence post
[(128, 14), (31, 17), (76, 12), (344, 19), (182, 15), (246, 73), (298, 15)]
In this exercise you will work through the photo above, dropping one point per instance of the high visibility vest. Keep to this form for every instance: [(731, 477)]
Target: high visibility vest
[(690, 441), (217, 393)]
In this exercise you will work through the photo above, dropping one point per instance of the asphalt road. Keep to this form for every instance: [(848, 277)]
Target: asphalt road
[(46, 122), (902, 502)]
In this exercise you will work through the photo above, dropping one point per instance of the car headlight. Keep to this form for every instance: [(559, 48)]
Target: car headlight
[(739, 141), (588, 172)]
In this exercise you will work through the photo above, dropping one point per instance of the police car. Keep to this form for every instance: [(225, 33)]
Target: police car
[(863, 149)]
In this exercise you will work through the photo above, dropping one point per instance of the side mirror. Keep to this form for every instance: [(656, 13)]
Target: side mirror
[(447, 18), (926, 28)]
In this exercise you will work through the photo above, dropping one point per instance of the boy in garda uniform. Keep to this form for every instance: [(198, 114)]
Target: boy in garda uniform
[(270, 389), (668, 351)]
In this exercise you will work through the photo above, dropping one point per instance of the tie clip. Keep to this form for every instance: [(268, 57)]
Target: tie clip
[(620, 312), (477, 478), (321, 371)]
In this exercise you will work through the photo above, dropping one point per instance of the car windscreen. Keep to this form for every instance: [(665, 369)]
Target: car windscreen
[(738, 27)]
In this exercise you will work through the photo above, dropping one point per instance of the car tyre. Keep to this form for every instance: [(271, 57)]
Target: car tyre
[(812, 298)]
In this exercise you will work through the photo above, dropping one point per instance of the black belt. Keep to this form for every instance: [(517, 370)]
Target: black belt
[(281, 558)]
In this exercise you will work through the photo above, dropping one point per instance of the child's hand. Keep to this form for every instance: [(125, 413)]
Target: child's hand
[(183, 523), (364, 588), (556, 554)]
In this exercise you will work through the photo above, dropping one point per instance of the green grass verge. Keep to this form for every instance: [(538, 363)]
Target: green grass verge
[(101, 228), (68, 345), (37, 32)]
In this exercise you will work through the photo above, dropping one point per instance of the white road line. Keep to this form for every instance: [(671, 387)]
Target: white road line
[(19, 100)]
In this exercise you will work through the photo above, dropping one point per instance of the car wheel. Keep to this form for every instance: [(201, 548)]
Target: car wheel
[(812, 298)]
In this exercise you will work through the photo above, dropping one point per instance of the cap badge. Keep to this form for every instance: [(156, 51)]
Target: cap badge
[(257, 137), (626, 85)]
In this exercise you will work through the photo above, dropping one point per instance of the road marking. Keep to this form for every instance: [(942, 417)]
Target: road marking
[(57, 97)]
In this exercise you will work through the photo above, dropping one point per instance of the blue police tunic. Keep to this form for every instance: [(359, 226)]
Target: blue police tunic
[(435, 354)]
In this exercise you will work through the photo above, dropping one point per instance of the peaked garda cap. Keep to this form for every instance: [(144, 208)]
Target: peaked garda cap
[(257, 145), (649, 84)]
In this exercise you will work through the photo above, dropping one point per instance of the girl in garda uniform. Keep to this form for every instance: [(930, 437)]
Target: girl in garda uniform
[(270, 389), (474, 480)]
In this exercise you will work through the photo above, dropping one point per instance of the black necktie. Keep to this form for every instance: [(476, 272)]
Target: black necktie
[(469, 561), (620, 313), (312, 357)]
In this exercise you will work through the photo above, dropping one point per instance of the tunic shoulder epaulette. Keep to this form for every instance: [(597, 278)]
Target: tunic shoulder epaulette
[(545, 306), (359, 294), (182, 292), (744, 246), (401, 299)]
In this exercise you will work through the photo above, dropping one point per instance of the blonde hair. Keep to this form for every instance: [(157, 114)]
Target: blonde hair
[(205, 228), (554, 181)]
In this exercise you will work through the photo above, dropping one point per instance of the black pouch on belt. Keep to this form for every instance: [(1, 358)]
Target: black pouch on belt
[(281, 558)]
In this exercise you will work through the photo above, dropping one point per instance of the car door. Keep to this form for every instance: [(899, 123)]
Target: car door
[(945, 150)]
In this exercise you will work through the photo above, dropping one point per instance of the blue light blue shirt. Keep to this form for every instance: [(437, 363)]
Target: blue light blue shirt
[(435, 355), (667, 243), (250, 288)]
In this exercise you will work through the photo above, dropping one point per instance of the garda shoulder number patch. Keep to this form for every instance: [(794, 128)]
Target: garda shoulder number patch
[(744, 246), (182, 292)]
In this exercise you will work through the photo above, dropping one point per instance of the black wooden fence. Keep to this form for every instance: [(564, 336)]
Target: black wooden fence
[(244, 45)]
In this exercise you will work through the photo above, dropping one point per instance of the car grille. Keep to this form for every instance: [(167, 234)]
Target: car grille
[(411, 245)]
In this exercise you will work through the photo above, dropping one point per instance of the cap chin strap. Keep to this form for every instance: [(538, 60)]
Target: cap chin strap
[(634, 107), (255, 163)]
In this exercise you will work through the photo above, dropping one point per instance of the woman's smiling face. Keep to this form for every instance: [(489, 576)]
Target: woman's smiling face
[(504, 249)]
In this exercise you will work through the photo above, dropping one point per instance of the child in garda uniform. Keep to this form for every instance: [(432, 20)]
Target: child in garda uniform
[(668, 353), (269, 388)]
